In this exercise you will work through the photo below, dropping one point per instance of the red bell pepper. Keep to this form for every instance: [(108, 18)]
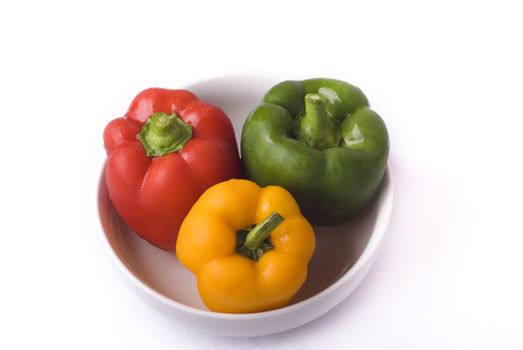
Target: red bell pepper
[(162, 155)]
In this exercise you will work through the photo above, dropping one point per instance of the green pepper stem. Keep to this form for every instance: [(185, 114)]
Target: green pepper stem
[(164, 134), (261, 231), (317, 127)]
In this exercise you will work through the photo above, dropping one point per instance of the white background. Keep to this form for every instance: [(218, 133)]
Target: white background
[(446, 77)]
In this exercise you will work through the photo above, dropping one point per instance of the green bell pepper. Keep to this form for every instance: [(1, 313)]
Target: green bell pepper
[(319, 139)]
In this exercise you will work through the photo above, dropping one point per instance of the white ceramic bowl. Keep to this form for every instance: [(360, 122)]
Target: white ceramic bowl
[(343, 256)]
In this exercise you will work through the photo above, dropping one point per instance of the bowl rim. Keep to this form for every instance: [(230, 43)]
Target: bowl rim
[(369, 251)]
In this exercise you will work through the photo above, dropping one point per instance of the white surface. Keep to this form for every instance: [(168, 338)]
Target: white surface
[(446, 77)]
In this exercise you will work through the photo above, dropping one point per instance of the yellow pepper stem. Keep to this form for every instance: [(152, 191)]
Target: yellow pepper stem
[(261, 231), (254, 242)]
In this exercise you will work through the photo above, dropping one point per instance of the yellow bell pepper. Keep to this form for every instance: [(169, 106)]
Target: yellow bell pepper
[(248, 246)]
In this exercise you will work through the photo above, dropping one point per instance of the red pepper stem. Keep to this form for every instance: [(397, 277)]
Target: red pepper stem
[(163, 134), (261, 231)]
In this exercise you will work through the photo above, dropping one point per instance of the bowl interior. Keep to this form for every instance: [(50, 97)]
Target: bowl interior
[(338, 248)]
